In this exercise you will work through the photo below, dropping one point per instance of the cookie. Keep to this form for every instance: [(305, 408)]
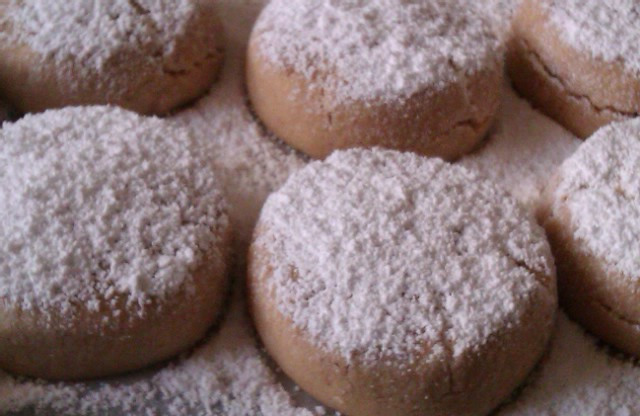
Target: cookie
[(578, 60), (590, 210), (147, 56), (385, 283), (113, 243), (421, 76)]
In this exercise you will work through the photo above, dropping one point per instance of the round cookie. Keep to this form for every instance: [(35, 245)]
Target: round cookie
[(419, 76), (149, 56), (113, 243), (578, 60), (385, 283), (591, 211)]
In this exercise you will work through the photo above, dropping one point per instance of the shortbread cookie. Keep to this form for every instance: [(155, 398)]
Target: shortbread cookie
[(149, 56), (578, 60), (113, 243), (385, 283), (420, 76), (591, 211)]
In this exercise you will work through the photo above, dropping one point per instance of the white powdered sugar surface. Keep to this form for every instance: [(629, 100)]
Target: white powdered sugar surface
[(250, 162), (95, 41), (392, 251), (97, 203), (608, 30), (93, 32), (381, 49), (227, 375), (578, 377), (523, 150), (600, 186)]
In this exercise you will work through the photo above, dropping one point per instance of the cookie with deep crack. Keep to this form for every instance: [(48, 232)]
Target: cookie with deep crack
[(386, 283), (421, 76), (578, 61), (114, 243), (591, 211), (147, 56)]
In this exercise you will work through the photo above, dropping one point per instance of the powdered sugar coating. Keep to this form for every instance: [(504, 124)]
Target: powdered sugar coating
[(86, 37), (523, 150), (600, 186), (377, 253), (98, 204), (378, 50), (578, 377), (95, 31), (608, 30)]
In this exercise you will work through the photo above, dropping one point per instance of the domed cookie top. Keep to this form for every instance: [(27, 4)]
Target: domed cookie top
[(379, 253), (418, 76), (100, 205), (113, 243), (149, 56), (377, 50), (600, 186), (386, 283), (591, 210), (608, 30), (578, 61)]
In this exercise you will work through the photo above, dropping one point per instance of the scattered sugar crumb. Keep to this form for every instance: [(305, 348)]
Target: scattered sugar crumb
[(382, 49), (523, 150), (364, 226), (251, 162), (608, 30), (578, 377), (227, 376)]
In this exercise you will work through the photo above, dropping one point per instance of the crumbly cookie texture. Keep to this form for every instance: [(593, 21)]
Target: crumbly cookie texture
[(378, 50), (378, 253), (599, 186), (608, 30), (149, 56), (96, 33), (98, 203)]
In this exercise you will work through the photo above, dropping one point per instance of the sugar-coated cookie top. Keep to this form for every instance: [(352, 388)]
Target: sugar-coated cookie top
[(608, 30), (99, 33), (98, 204), (600, 185), (377, 253), (380, 49)]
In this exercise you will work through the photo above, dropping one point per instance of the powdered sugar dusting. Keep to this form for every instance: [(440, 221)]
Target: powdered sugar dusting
[(608, 30), (98, 203), (600, 186), (382, 49), (579, 378), (250, 162), (94, 39), (523, 151), (391, 252), (227, 375), (93, 32)]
